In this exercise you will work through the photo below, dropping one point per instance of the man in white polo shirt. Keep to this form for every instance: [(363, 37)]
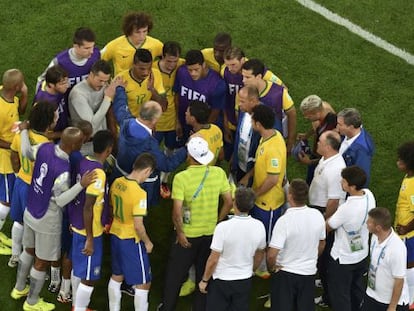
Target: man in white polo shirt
[(387, 286), (237, 248), (297, 239), (348, 258), (325, 194)]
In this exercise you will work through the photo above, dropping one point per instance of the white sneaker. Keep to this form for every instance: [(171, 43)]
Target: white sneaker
[(13, 261)]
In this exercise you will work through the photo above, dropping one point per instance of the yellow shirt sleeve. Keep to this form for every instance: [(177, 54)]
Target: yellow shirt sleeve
[(98, 187), (140, 208), (287, 100)]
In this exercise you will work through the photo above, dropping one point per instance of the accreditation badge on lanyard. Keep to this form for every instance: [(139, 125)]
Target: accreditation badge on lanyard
[(372, 272)]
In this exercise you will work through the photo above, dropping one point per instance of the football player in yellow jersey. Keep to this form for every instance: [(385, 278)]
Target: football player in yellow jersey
[(404, 217), (269, 172), (42, 119), (143, 83), (165, 127), (87, 220), (136, 26), (130, 244), (168, 65), (10, 108), (196, 116), (214, 56)]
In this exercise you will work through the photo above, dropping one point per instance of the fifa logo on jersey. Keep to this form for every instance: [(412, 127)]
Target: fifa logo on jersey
[(76, 80), (233, 88), (192, 95)]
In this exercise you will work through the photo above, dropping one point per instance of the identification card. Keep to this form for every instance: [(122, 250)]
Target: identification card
[(355, 241), (186, 215), (371, 277)]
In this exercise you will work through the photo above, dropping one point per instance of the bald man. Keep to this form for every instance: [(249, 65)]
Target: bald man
[(10, 108), (136, 137), (49, 192)]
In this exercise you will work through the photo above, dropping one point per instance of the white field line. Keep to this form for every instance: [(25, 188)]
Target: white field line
[(335, 18)]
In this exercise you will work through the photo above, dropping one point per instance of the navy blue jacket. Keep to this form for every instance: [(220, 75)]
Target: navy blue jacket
[(360, 153), (132, 144)]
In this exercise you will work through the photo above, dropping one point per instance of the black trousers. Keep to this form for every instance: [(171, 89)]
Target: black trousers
[(346, 285), (290, 291), (373, 305), (322, 265), (229, 295), (179, 262)]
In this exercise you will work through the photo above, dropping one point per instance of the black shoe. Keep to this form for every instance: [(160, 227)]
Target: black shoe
[(127, 289)]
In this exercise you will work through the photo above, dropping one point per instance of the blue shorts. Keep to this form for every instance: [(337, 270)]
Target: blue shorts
[(169, 137), (409, 243), (131, 260), (19, 200), (6, 187), (86, 267), (268, 218)]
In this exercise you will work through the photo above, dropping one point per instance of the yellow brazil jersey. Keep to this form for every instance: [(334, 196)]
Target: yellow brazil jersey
[(214, 137), (168, 118), (97, 189), (270, 159), (137, 92), (404, 212), (26, 166), (210, 61), (128, 200), (121, 51), (9, 113)]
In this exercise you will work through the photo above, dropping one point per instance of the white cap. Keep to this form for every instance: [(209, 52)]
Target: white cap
[(198, 149)]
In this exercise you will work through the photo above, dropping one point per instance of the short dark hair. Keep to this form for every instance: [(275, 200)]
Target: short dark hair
[(102, 140), (136, 20), (255, 65), (354, 176), (264, 115), (101, 66), (171, 48), (299, 190), (143, 56), (83, 34), (381, 216), (85, 126), (405, 154), (334, 140), (244, 199), (222, 38), (143, 161), (42, 115), (55, 74), (194, 57), (351, 116), (200, 111)]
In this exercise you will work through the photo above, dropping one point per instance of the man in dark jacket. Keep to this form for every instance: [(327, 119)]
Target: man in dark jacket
[(135, 137), (357, 147)]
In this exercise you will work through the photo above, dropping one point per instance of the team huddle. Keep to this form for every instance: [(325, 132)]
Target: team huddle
[(105, 129)]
